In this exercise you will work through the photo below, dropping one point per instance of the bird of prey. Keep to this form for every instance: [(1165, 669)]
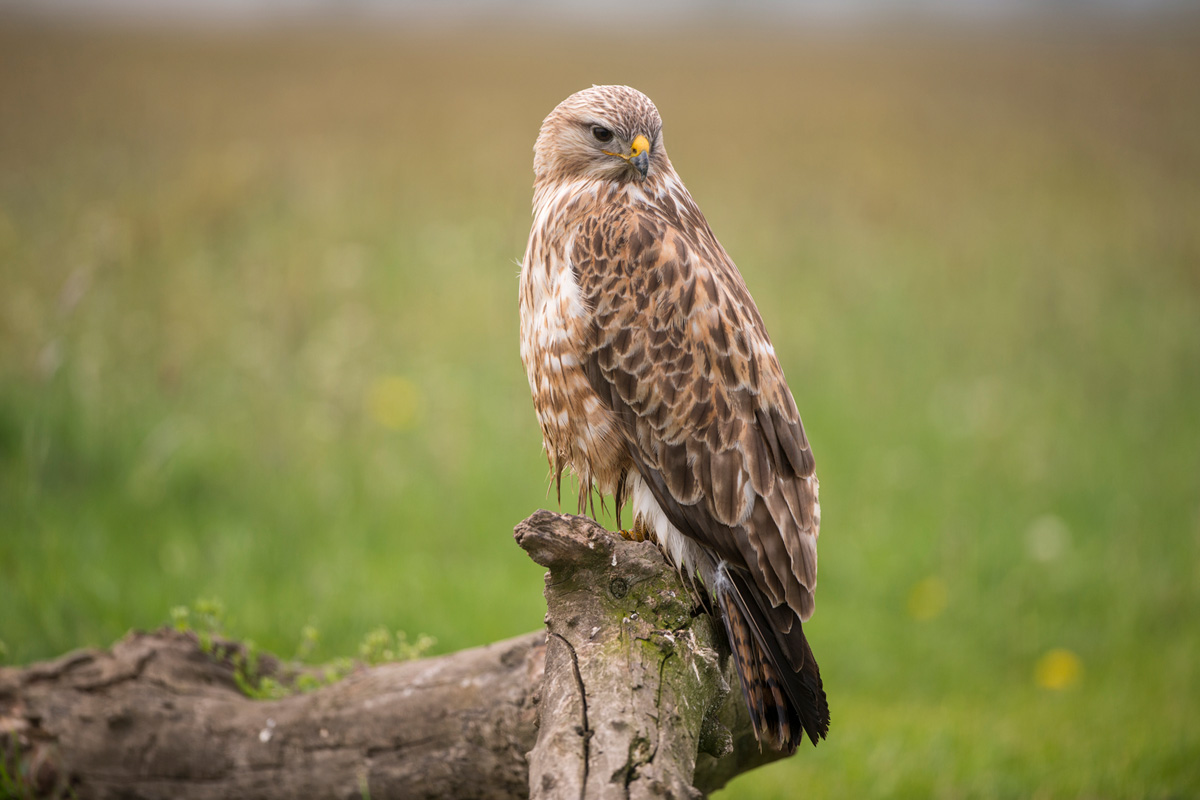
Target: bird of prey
[(655, 382)]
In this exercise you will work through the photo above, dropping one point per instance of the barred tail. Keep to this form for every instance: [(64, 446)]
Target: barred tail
[(779, 675)]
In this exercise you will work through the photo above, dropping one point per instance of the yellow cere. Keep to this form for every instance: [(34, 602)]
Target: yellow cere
[(640, 145)]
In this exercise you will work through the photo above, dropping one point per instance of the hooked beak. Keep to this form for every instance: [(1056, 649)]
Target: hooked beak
[(639, 154)]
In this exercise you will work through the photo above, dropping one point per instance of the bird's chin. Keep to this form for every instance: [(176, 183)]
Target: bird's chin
[(631, 174), (618, 173)]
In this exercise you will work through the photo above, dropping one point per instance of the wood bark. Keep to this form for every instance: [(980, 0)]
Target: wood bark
[(625, 695)]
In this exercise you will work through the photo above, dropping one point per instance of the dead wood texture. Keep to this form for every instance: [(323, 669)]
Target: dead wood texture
[(625, 695)]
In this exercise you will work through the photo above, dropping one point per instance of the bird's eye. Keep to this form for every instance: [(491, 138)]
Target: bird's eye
[(602, 134)]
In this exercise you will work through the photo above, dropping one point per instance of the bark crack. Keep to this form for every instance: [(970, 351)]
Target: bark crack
[(585, 732), (131, 673)]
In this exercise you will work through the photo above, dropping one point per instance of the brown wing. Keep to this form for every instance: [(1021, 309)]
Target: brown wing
[(678, 351)]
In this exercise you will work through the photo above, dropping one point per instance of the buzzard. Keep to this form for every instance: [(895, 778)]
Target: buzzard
[(655, 382)]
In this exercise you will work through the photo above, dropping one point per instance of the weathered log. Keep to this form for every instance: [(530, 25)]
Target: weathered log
[(635, 702), (157, 717)]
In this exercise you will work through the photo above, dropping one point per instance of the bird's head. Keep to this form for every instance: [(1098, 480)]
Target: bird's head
[(605, 132)]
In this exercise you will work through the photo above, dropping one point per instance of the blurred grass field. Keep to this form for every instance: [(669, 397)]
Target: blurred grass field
[(258, 342)]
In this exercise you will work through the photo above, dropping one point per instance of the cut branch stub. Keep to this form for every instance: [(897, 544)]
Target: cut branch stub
[(634, 684)]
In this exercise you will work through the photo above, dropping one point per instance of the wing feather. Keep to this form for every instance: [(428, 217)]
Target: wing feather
[(680, 354)]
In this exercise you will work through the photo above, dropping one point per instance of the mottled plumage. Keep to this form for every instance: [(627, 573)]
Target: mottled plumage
[(654, 380)]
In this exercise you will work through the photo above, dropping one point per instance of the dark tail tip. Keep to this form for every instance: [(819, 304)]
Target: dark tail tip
[(785, 704)]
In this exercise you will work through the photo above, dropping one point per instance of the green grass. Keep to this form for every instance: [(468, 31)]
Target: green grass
[(258, 341)]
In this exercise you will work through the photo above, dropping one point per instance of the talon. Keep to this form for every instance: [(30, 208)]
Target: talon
[(639, 533), (643, 533)]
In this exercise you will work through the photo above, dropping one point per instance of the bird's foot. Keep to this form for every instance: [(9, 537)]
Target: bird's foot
[(640, 533)]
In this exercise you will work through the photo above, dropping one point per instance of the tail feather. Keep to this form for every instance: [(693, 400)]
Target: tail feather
[(776, 668)]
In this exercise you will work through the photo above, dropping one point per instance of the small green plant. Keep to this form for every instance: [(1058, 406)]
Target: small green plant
[(247, 674), (206, 619), (380, 646), (310, 681), (14, 781), (309, 636)]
